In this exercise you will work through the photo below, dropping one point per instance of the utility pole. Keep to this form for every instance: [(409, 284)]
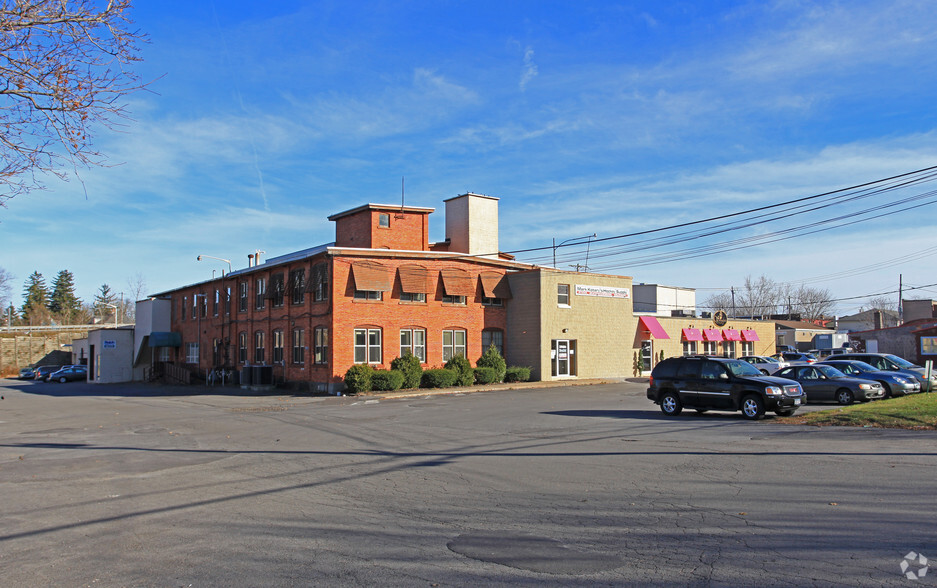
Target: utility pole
[(900, 295)]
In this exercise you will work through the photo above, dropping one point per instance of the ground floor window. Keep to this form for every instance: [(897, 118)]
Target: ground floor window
[(259, 347), (689, 348), (647, 355), (278, 346), (413, 341), (563, 357), (748, 348), (367, 346), (321, 344), (164, 354), (191, 352), (299, 346), (242, 347), (728, 349), (493, 337), (709, 348), (453, 343)]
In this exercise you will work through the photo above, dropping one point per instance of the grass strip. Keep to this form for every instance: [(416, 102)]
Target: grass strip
[(917, 412)]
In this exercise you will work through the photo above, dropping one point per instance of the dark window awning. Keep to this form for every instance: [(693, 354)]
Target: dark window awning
[(495, 285), (414, 279), (165, 339), (456, 282), (653, 326), (690, 334), (372, 276)]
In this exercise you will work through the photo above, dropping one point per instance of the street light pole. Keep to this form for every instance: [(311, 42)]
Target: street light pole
[(228, 261), (555, 246)]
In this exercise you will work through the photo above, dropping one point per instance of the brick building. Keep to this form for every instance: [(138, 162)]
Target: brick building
[(379, 290)]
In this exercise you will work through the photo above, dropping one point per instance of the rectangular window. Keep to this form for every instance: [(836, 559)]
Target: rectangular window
[(260, 294), (321, 276), (453, 343), (203, 307), (383, 220), (453, 299), (216, 302), (748, 348), (562, 294), (493, 337), (413, 341), (298, 286), (191, 353), (242, 297), (709, 348), (689, 348), (195, 306), (259, 347), (299, 346), (278, 346), (928, 345), (413, 297), (164, 354), (486, 301), (277, 288), (728, 349), (367, 346), (227, 300), (368, 295), (321, 350), (184, 301)]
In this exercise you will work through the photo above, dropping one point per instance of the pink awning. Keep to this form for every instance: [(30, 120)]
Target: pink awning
[(731, 335), (692, 335), (749, 335), (649, 323), (712, 335)]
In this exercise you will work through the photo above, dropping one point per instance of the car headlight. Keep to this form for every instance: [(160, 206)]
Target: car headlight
[(900, 380), (773, 391), (865, 386)]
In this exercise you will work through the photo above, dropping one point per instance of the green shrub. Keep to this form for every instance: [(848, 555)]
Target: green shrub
[(485, 375), (492, 359), (386, 380), (409, 366), (463, 367), (438, 378), (517, 374), (358, 378)]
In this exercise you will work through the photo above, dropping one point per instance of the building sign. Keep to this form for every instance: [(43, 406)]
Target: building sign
[(109, 344), (602, 291)]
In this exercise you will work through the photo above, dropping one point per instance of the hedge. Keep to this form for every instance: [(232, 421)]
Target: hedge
[(461, 366), (485, 375), (438, 378), (387, 380), (358, 378), (492, 359), (409, 366), (517, 374)]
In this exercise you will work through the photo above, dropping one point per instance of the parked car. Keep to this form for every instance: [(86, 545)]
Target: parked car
[(825, 382), (792, 357), (27, 373), (43, 371), (894, 384), (717, 383), (69, 373), (764, 364), (892, 363), (833, 352)]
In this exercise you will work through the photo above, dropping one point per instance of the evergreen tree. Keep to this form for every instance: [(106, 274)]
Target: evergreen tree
[(36, 300), (64, 303), (105, 301)]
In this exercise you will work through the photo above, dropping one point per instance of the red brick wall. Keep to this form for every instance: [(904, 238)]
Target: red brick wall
[(408, 231), (341, 314)]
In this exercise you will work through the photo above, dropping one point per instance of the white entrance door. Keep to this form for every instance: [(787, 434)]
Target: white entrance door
[(561, 363)]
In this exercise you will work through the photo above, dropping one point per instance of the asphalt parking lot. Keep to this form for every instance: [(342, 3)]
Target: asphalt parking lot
[(566, 486)]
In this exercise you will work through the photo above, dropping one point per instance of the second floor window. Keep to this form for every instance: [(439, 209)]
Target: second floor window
[(260, 294), (562, 294), (298, 286), (242, 297)]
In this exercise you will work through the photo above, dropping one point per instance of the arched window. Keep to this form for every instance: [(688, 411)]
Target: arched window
[(259, 347)]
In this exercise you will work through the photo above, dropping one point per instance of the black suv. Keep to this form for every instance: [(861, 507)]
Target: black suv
[(718, 383)]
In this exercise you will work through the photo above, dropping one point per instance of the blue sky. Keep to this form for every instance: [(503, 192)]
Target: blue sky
[(586, 117)]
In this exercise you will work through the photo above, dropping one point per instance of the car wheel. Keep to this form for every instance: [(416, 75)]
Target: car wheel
[(844, 396), (764, 372), (63, 379), (670, 404), (752, 407), (786, 413)]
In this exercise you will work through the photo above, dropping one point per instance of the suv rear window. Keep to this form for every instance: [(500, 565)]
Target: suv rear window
[(666, 369)]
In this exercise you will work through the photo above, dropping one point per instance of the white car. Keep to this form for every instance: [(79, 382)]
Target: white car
[(764, 364)]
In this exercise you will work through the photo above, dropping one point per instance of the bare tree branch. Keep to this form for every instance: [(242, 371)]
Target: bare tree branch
[(64, 71)]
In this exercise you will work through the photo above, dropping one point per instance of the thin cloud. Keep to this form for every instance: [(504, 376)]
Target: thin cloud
[(530, 69)]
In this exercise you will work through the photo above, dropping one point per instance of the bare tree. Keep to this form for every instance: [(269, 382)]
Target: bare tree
[(812, 303), (136, 290), (6, 288), (882, 303), (764, 297), (759, 298), (63, 72)]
